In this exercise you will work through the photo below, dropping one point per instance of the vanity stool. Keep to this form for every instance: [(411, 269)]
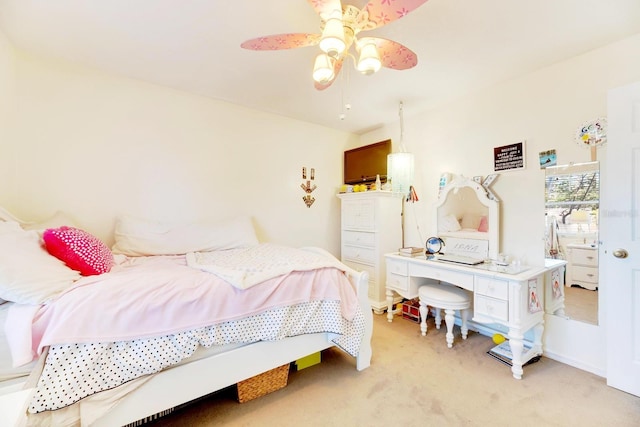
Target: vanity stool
[(449, 297)]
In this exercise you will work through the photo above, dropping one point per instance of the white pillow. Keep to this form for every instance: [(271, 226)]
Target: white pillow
[(470, 221), (449, 223), (28, 274), (5, 215), (57, 220), (139, 237)]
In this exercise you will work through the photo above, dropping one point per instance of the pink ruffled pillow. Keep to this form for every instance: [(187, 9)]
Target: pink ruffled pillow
[(78, 249), (484, 224)]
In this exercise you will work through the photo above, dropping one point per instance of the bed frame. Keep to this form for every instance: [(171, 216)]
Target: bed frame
[(181, 384)]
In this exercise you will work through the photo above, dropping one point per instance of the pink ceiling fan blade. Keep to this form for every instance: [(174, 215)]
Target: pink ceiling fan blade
[(282, 41), (324, 8), (337, 66), (381, 12), (393, 54)]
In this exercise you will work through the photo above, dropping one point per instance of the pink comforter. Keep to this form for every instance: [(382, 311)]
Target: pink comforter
[(161, 296)]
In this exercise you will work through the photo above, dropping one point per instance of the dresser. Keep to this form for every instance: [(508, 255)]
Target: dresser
[(371, 226), (510, 297), (582, 267)]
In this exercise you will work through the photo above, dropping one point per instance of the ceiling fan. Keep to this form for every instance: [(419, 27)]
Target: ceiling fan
[(340, 26)]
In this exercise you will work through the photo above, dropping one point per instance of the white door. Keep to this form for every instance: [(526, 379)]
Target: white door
[(620, 251)]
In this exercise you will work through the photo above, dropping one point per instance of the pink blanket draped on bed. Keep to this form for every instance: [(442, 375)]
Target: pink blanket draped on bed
[(162, 296)]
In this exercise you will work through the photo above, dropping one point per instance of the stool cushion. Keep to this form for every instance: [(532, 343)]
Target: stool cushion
[(444, 295)]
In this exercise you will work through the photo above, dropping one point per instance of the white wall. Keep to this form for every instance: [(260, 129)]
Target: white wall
[(544, 108), (97, 145), (7, 85)]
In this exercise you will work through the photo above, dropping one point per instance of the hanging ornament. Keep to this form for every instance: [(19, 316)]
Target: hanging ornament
[(592, 135)]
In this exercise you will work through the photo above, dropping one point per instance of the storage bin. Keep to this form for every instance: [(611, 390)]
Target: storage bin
[(262, 384)]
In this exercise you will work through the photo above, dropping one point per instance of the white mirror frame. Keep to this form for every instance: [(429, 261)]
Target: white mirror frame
[(458, 208)]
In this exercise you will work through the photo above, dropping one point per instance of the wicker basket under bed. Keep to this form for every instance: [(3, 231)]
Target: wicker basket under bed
[(262, 384)]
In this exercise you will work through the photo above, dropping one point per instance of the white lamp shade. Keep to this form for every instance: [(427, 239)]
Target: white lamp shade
[(332, 42), (400, 172), (323, 69), (369, 60)]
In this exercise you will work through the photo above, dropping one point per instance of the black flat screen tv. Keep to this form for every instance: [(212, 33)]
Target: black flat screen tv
[(362, 164)]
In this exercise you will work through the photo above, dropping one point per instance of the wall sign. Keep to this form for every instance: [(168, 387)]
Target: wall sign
[(509, 157)]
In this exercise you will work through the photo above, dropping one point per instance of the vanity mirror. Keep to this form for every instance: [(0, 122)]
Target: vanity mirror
[(464, 210), (572, 201)]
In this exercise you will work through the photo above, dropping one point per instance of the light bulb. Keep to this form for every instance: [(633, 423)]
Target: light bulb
[(369, 60), (332, 42), (323, 69)]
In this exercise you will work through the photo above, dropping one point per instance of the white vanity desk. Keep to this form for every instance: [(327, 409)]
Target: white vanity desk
[(504, 297), (509, 296)]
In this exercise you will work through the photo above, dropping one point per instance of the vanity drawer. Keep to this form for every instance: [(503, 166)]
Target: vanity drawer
[(494, 288), (584, 274), (397, 282), (358, 254), (490, 307), (464, 280), (359, 238), (397, 267), (588, 257)]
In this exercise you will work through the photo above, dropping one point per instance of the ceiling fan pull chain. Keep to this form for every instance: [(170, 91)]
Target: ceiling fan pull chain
[(344, 85)]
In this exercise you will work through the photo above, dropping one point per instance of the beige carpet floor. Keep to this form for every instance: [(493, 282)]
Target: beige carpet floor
[(418, 381)]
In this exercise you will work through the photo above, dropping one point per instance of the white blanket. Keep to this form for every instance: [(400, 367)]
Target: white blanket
[(246, 267)]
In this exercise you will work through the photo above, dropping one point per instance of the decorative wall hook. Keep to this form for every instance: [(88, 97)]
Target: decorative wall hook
[(307, 187), (308, 200)]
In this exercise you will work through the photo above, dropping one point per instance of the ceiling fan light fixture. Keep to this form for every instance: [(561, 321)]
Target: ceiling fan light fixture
[(369, 59), (340, 25), (332, 42), (323, 69)]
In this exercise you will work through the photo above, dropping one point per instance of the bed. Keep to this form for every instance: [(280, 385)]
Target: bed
[(251, 306)]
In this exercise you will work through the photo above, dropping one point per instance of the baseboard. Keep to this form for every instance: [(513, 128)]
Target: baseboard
[(575, 363), (488, 331)]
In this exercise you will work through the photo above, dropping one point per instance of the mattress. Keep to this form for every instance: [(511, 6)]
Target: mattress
[(8, 374)]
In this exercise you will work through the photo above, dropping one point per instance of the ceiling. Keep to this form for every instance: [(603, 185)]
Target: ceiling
[(194, 45)]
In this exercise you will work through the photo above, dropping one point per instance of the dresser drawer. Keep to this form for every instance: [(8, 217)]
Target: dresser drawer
[(358, 254), (359, 238), (588, 257), (397, 282), (584, 274), (464, 280), (397, 267), (358, 214), (490, 307), (494, 288)]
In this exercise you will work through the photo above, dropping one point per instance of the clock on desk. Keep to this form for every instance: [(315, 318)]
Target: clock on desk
[(434, 245)]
